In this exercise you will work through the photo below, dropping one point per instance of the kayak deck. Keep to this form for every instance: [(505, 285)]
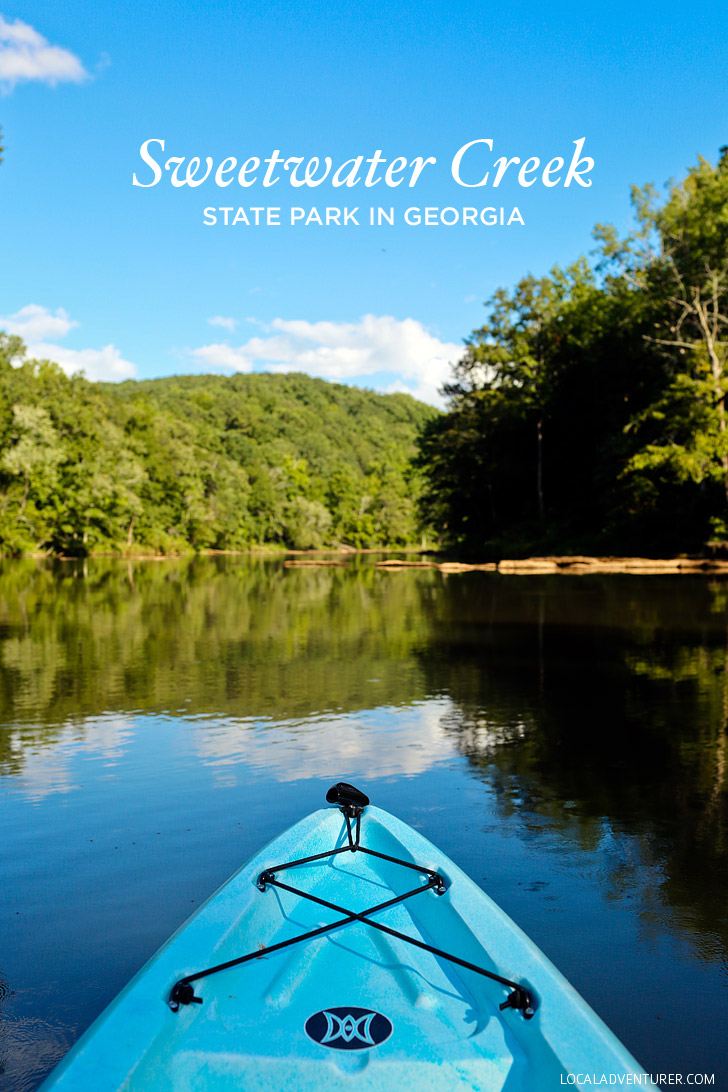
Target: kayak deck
[(442, 1022)]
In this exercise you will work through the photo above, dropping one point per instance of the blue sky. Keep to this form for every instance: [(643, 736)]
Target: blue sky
[(124, 281)]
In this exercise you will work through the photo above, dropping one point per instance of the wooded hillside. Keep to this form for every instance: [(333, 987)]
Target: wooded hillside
[(200, 462)]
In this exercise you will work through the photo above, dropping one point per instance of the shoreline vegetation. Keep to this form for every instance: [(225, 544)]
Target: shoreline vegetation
[(588, 414)]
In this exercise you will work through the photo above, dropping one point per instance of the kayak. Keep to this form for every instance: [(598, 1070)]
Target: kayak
[(350, 949)]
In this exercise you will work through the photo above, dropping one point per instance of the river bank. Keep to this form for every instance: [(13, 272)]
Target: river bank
[(576, 565)]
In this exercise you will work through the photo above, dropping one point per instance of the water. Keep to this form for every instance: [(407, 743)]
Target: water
[(563, 739)]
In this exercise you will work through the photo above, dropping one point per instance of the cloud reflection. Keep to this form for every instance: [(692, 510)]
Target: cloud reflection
[(52, 765), (384, 742)]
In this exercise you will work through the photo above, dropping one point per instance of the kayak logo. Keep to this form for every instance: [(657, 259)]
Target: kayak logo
[(348, 1028)]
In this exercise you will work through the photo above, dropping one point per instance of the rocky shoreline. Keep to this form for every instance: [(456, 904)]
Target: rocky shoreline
[(573, 565)]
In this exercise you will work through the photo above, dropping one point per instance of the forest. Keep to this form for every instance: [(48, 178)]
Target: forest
[(588, 413), (193, 463)]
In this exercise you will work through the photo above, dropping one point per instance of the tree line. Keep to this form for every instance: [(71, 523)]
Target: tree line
[(588, 413)]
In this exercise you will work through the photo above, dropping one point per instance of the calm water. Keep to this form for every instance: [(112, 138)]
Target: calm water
[(563, 739)]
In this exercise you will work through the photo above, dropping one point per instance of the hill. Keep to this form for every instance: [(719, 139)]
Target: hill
[(200, 462)]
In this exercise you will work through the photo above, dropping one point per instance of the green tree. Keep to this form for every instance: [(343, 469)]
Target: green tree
[(678, 258), (307, 524), (34, 453)]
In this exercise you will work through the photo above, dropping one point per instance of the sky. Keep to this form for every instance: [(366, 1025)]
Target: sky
[(130, 281)]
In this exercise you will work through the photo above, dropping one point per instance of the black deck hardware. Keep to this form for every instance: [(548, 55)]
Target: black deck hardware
[(346, 796), (352, 802)]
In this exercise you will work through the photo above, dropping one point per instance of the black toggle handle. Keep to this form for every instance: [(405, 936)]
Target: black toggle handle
[(521, 999), (347, 796), (183, 993)]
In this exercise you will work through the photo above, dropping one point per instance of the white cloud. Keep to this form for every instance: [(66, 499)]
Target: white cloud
[(27, 55), (35, 323), (222, 355), (346, 351), (220, 320), (102, 364)]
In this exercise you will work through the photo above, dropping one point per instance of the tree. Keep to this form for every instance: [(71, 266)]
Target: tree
[(12, 350), (693, 227), (307, 524), (509, 353), (35, 453), (678, 258)]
